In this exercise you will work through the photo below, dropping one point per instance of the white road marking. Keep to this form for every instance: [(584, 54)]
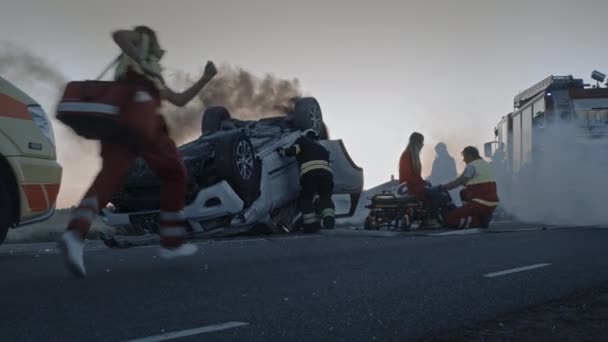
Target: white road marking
[(190, 332), (514, 270)]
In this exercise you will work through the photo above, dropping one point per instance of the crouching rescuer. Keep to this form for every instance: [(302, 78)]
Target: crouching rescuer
[(316, 179), (479, 197), (144, 134)]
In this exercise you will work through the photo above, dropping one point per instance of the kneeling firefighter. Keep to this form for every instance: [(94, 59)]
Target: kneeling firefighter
[(316, 179), (479, 197)]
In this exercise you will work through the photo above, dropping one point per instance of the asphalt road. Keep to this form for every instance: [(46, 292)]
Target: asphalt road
[(337, 287)]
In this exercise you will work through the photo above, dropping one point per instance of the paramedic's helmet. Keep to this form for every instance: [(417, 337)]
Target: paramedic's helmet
[(311, 134)]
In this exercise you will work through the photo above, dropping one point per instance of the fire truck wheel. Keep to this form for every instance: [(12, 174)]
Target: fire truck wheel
[(212, 119)]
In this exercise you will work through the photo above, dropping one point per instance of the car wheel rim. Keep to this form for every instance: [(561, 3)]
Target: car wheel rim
[(315, 118), (244, 160)]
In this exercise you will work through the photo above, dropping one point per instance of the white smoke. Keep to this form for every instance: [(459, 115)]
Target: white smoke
[(566, 183)]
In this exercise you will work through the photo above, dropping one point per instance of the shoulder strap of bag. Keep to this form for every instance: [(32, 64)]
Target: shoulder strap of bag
[(114, 62)]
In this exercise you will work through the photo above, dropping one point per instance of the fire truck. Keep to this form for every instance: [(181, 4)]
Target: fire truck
[(520, 137)]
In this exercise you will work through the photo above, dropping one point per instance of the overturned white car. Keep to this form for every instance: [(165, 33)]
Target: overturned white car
[(237, 181)]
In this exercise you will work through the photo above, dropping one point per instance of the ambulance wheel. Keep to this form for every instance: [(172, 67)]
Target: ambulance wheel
[(213, 118), (6, 210), (237, 163), (307, 114)]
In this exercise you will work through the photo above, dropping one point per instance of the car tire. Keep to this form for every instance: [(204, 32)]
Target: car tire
[(213, 118), (237, 163), (307, 114), (6, 210)]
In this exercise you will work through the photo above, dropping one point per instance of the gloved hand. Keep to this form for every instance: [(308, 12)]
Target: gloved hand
[(210, 70), (281, 151)]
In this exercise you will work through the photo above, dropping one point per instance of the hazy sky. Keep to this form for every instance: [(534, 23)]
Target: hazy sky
[(380, 69)]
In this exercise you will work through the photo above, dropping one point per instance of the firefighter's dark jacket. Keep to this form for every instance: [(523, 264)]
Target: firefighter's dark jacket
[(310, 155)]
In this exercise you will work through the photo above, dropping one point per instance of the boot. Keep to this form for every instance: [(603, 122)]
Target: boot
[(71, 246), (184, 250)]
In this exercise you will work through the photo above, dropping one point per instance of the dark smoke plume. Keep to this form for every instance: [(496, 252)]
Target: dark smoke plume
[(15, 59), (246, 97)]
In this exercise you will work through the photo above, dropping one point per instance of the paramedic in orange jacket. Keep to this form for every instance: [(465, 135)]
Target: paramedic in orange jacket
[(149, 138), (479, 197), (410, 167)]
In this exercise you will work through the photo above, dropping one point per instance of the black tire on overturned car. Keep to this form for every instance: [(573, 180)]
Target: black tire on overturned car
[(213, 118), (307, 114), (237, 163)]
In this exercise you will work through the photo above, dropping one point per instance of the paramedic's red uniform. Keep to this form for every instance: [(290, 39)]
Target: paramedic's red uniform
[(415, 184), (479, 197), (151, 142)]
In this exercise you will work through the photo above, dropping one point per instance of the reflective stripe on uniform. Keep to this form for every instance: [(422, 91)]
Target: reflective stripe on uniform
[(172, 232), (315, 165), (88, 107), (172, 216), (142, 96), (328, 212), (484, 202), (465, 222), (310, 218)]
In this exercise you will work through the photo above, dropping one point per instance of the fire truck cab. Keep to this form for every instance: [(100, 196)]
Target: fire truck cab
[(554, 100)]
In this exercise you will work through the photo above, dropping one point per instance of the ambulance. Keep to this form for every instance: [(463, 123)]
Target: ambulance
[(30, 176)]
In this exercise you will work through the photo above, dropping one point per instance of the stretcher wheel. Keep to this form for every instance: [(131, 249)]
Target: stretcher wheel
[(369, 224)]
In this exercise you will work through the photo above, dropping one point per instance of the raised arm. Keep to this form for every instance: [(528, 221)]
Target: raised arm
[(181, 99)]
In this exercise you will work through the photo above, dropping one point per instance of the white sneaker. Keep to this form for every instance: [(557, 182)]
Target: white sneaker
[(187, 249), (71, 247)]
